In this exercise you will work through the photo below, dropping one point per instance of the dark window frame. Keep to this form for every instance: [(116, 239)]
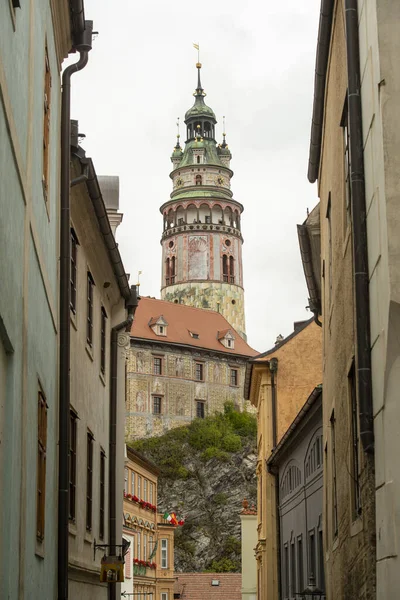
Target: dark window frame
[(89, 479), (72, 464), (46, 124), (41, 466), (293, 565), (200, 409), (355, 444), (334, 482), (74, 269), (199, 371), (157, 405), (157, 365), (89, 309), (103, 331), (102, 497), (300, 564), (234, 377)]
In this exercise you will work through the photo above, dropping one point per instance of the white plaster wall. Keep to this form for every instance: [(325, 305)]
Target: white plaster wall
[(379, 30)]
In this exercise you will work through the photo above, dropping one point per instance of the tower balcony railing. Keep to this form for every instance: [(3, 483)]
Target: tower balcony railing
[(198, 225)]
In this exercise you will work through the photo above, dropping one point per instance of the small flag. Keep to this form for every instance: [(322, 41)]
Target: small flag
[(196, 46)]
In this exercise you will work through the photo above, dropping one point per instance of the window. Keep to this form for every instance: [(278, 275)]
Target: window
[(228, 268), (139, 545), (139, 487), (334, 489), (157, 366), (89, 327), (41, 466), (161, 329), (89, 480), (46, 124), (102, 492), (199, 372), (133, 483), (167, 271), (164, 554), (164, 596), (286, 571), (103, 340), (73, 417), (145, 489), (151, 492), (234, 375), (293, 569), (300, 566), (199, 409), (328, 216), (74, 252), (126, 475), (355, 438), (144, 546), (173, 270), (157, 405), (321, 560), (312, 555), (198, 180), (347, 165)]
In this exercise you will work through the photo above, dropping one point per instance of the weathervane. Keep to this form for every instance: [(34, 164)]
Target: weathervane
[(197, 46)]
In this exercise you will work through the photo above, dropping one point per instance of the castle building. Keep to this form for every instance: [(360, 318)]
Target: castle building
[(201, 239), (184, 362)]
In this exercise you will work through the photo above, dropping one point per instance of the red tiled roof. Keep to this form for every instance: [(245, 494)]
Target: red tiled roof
[(197, 586), (181, 321)]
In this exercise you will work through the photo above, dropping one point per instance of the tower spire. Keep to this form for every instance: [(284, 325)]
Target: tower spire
[(177, 134), (224, 144)]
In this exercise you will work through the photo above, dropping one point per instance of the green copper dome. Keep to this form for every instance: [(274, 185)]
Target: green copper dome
[(199, 108)]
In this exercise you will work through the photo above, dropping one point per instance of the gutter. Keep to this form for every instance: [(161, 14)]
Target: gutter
[(314, 300), (82, 43), (78, 24), (131, 305), (359, 226), (321, 65)]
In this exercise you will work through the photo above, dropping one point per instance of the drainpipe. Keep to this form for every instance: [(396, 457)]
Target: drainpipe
[(131, 305), (359, 222), (83, 45), (273, 368)]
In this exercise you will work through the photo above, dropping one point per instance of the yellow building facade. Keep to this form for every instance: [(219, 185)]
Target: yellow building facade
[(149, 562), (278, 384)]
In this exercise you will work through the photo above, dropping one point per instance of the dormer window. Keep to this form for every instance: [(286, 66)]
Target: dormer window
[(194, 335), (159, 325), (227, 338)]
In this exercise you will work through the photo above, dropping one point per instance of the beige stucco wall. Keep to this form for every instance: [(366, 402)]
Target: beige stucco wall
[(90, 394), (349, 554), (299, 372), (249, 565), (379, 29), (177, 387)]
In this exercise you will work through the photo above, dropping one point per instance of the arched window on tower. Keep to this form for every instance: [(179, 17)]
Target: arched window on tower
[(198, 178), (198, 160), (167, 271), (225, 269), (228, 268), (231, 269), (172, 270)]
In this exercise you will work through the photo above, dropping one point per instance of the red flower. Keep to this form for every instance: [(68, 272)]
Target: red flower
[(135, 498), (129, 496)]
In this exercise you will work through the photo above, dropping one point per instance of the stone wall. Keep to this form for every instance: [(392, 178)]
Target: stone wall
[(177, 386)]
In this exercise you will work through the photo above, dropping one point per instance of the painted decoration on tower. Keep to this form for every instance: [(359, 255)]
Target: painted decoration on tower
[(198, 257)]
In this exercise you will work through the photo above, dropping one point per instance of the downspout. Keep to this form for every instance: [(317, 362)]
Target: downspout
[(359, 222), (83, 45), (273, 368), (131, 305)]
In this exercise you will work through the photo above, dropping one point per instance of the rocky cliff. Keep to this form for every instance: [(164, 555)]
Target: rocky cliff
[(207, 470)]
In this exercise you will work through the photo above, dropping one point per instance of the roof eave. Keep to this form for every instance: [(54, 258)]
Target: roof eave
[(321, 66)]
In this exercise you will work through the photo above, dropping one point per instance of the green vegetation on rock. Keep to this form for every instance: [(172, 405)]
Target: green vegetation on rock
[(207, 468)]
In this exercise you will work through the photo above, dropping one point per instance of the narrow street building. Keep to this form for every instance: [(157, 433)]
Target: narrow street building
[(184, 362), (149, 562), (297, 462), (35, 37), (99, 292), (248, 522), (354, 142), (278, 383)]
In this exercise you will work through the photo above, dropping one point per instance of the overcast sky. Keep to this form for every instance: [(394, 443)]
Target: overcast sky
[(258, 69)]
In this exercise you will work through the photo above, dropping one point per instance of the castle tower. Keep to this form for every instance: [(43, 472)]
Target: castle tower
[(202, 240)]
